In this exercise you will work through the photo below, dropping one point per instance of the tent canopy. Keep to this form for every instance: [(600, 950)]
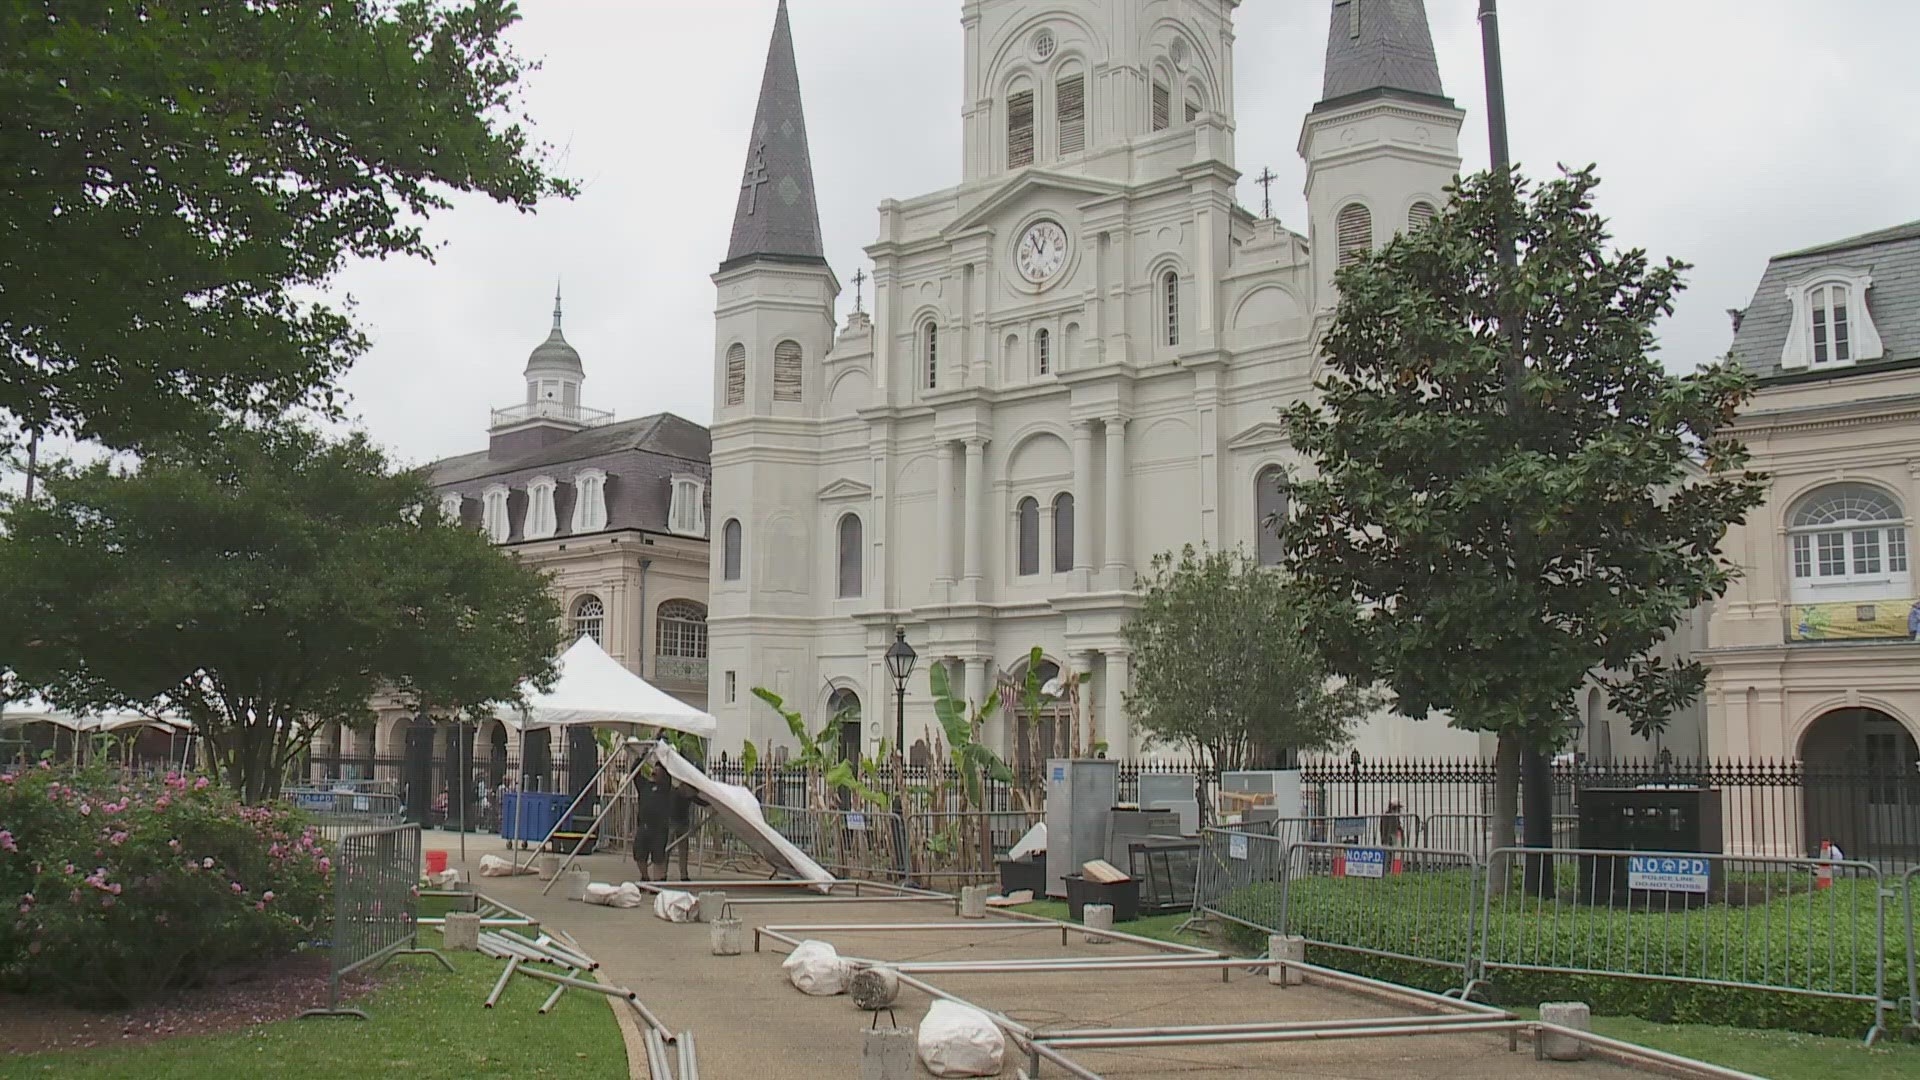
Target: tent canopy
[(595, 690), (737, 808), (32, 710)]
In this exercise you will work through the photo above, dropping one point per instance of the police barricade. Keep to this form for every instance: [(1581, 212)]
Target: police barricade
[(1412, 904), (847, 843), (338, 814), (1790, 925), (376, 906), (954, 848), (1240, 878), (1385, 830), (1473, 833)]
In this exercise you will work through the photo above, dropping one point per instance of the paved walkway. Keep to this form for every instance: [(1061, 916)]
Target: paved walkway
[(751, 1025)]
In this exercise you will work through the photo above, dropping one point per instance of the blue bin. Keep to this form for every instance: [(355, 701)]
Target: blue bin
[(531, 815)]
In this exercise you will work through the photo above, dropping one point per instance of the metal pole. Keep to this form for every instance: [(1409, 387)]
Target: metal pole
[(562, 821), (513, 964), (595, 827), (1410, 1027)]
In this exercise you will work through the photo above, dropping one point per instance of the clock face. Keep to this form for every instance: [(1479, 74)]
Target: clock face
[(1043, 252)]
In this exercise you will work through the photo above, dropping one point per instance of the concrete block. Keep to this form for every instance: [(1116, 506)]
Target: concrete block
[(709, 906), (726, 935), (576, 882), (549, 865), (461, 931), (874, 988), (888, 1054), (1567, 1014), (1286, 947), (1097, 917), (973, 901)]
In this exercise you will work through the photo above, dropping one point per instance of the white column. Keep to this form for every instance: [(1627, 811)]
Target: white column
[(1082, 664), (943, 513), (1083, 504), (1115, 729), (976, 508), (977, 695), (1119, 546)]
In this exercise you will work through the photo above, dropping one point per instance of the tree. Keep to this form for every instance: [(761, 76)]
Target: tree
[(1513, 497), (1222, 665), (179, 178), (263, 584)]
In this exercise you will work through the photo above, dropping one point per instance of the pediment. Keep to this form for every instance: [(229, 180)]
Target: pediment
[(1265, 433), (845, 490), (1031, 180)]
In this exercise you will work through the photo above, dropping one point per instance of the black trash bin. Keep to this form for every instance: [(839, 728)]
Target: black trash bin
[(1123, 895), (1655, 819), (1028, 873)]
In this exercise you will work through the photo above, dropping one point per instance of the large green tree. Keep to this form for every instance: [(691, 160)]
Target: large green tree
[(177, 178), (263, 584), (1223, 666), (1513, 497)]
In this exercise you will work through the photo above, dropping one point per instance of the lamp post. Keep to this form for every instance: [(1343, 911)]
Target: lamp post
[(900, 659), (1353, 759)]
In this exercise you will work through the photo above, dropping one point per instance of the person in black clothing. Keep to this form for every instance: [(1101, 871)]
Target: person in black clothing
[(664, 816)]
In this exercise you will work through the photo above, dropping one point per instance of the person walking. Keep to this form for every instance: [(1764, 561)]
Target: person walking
[(653, 820)]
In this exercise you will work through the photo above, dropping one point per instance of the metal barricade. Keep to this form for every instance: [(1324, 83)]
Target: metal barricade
[(376, 902), (338, 814), (1790, 925), (963, 847), (1913, 952), (847, 843), (1473, 833), (1412, 904), (1241, 877), (1339, 829)]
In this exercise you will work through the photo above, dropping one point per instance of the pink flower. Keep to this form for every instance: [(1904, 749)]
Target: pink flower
[(174, 844), (6, 778), (71, 868), (44, 766), (117, 839), (207, 863), (237, 888), (85, 810), (6, 841), (200, 784), (163, 802), (114, 888), (267, 896), (261, 906)]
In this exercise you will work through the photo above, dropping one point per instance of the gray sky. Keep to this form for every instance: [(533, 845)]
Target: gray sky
[(1725, 131)]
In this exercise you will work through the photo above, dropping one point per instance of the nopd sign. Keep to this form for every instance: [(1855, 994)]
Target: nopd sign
[(1667, 873), (1366, 862)]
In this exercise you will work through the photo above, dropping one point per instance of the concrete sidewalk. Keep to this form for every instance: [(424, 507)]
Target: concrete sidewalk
[(751, 1025)]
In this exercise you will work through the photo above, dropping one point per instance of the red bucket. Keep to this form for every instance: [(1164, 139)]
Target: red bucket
[(436, 862)]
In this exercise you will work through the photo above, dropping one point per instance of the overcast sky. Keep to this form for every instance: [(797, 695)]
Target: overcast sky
[(1725, 131)]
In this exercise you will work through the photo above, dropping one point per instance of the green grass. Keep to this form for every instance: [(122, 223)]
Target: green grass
[(426, 1025), (1781, 1055), (1158, 927)]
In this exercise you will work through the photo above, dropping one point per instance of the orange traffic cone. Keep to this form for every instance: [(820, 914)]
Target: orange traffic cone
[(1340, 863), (1823, 873), (1395, 869)]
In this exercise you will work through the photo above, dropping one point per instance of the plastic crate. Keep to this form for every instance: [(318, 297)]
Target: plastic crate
[(1123, 895)]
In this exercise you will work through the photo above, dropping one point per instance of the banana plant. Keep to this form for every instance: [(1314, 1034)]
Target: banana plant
[(960, 722)]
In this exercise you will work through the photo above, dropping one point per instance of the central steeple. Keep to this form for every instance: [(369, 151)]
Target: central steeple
[(777, 217), (1380, 45)]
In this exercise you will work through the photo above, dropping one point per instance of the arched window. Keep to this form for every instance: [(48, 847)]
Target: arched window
[(1270, 500), (786, 371), (1848, 542), (852, 581), (451, 505), (930, 353), (1043, 351), (1063, 532), (1029, 515), (730, 550), (494, 520), (539, 520), (1020, 128), (682, 630), (589, 501), (1162, 106), (736, 374), (1599, 734), (1832, 337), (1353, 233), (1070, 109), (1196, 102), (590, 619), (1420, 215), (1170, 300)]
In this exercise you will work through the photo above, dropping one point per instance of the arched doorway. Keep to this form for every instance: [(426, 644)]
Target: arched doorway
[(844, 705), (1037, 737), (1862, 786)]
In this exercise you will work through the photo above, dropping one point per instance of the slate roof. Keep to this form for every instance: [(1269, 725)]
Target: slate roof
[(640, 458), (1892, 256), (1380, 45), (777, 216)]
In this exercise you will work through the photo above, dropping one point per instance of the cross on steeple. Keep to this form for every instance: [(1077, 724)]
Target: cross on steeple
[(756, 176), (1266, 180), (1353, 11), (859, 279)]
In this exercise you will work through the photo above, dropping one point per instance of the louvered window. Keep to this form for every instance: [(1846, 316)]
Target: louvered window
[(1029, 513), (930, 347), (786, 371), (1020, 129), (1420, 216), (1170, 291), (851, 578), (1354, 231), (737, 375), (1162, 107), (1043, 351), (1071, 96)]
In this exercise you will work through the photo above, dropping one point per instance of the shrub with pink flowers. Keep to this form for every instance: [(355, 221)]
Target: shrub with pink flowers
[(112, 891)]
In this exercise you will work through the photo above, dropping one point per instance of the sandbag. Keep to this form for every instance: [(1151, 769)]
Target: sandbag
[(628, 895), (957, 1040), (601, 893), (815, 968), (674, 905), (495, 866)]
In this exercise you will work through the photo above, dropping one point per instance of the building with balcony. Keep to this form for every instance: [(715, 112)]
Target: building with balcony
[(1813, 651)]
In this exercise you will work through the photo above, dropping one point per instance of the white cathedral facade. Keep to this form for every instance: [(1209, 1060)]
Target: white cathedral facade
[(1073, 361)]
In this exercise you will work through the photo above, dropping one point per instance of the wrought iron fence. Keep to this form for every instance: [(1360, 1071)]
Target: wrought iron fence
[(949, 848), (376, 901)]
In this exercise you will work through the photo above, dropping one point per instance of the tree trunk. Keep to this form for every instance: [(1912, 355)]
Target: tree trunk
[(1506, 805), (1536, 775)]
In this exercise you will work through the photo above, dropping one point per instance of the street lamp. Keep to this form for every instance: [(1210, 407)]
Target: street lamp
[(900, 660), (1353, 759)]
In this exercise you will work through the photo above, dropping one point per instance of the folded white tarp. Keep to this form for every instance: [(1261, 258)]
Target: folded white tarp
[(596, 690), (737, 807)]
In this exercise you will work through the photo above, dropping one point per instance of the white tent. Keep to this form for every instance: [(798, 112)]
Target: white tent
[(594, 689), (35, 711)]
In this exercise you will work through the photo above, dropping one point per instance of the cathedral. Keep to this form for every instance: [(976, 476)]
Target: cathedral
[(1072, 363)]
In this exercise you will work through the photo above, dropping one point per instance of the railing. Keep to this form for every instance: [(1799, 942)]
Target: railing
[(551, 410), (952, 847), (847, 843), (1850, 620), (1396, 903), (1473, 833), (376, 901), (680, 669)]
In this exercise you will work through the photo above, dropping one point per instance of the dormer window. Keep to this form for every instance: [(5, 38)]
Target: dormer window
[(493, 515), (589, 501), (540, 521), (451, 507), (1831, 324), (688, 514)]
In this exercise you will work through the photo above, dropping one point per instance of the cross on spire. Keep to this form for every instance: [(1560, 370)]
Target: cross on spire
[(1353, 11), (859, 279), (1266, 180), (756, 176), (556, 303)]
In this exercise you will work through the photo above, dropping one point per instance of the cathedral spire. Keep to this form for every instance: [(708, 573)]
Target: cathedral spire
[(777, 216), (1377, 46), (556, 305)]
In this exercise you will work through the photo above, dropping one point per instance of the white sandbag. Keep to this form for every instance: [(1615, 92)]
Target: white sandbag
[(601, 893), (495, 866), (815, 968), (957, 1040), (674, 905), (628, 895), (446, 879), (1033, 843)]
